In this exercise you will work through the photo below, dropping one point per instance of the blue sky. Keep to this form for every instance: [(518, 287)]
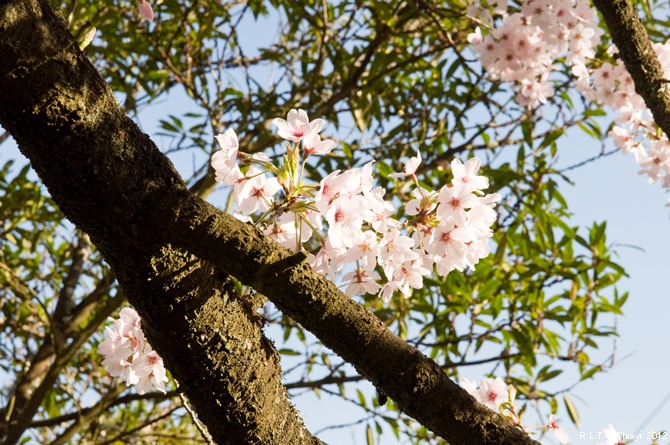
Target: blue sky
[(627, 395)]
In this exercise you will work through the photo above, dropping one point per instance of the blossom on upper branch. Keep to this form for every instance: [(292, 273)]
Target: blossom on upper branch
[(224, 162), (344, 220), (145, 10), (257, 192), (313, 145), (297, 126), (410, 167)]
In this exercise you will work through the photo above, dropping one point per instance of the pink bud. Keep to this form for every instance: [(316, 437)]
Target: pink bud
[(145, 10)]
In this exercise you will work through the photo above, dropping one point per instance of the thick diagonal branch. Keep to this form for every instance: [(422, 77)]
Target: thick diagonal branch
[(638, 55), (108, 178), (113, 183)]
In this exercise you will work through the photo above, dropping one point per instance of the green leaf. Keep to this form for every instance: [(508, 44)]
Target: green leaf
[(572, 410)]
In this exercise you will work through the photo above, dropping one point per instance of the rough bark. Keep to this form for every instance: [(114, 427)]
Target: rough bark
[(636, 51), (171, 252), (108, 178)]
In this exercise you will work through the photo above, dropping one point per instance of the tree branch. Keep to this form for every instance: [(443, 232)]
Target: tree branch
[(638, 55), (53, 421), (113, 183), (54, 102)]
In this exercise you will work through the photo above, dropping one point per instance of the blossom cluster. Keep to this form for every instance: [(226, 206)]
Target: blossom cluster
[(525, 47), (349, 219), (611, 85), (129, 356), (497, 396)]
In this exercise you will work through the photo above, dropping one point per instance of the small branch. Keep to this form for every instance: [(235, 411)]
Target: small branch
[(330, 380), (65, 302), (157, 396)]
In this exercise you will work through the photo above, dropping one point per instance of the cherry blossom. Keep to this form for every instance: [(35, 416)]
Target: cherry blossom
[(492, 393), (327, 191), (523, 46), (361, 282), (469, 385), (129, 356), (366, 251), (466, 174), (381, 212), (150, 371), (410, 167), (224, 162), (358, 233), (297, 126), (145, 9), (257, 192), (612, 436), (423, 201), (312, 144), (284, 231), (559, 433), (345, 218)]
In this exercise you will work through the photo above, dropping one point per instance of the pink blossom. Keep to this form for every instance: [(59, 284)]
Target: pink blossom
[(612, 436), (423, 201), (450, 233), (657, 162), (492, 393), (453, 203), (313, 145), (469, 385), (345, 217), (396, 248), (466, 175), (327, 191), (410, 167), (129, 356), (361, 282), (410, 275), (284, 231), (559, 433), (145, 10), (257, 192), (365, 250), (449, 240), (297, 126), (150, 371), (224, 162), (381, 211)]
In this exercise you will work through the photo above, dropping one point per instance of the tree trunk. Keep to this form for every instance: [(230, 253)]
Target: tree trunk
[(171, 253), (210, 340)]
